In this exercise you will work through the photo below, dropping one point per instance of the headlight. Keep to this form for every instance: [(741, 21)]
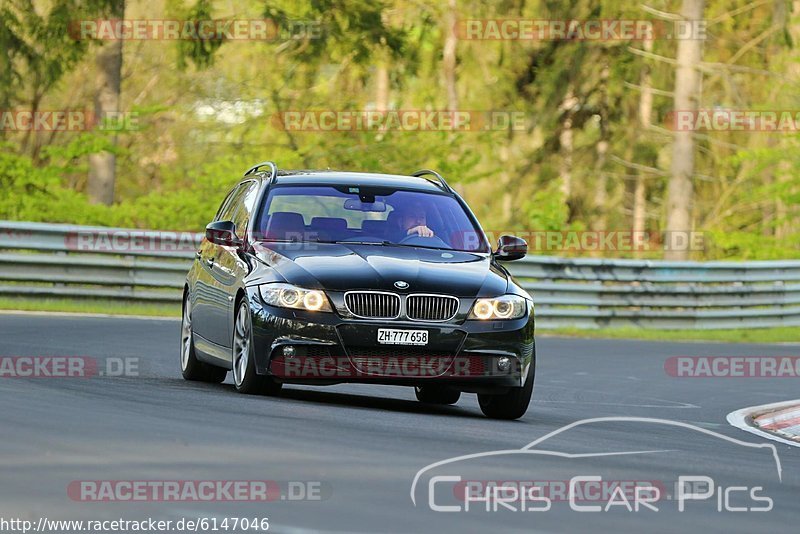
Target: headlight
[(504, 307), (289, 296)]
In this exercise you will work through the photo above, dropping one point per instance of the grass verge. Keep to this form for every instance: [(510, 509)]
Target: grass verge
[(109, 307), (739, 335)]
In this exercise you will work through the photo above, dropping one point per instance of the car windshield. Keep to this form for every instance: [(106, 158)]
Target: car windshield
[(376, 216)]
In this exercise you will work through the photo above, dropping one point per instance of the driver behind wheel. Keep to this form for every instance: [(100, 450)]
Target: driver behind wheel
[(413, 220)]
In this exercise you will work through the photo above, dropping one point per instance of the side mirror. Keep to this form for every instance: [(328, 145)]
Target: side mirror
[(510, 248), (223, 233)]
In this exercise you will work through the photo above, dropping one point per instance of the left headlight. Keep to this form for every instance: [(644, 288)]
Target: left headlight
[(289, 296), (503, 307)]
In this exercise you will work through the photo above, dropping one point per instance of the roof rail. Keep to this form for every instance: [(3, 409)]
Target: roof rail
[(441, 181), (271, 165)]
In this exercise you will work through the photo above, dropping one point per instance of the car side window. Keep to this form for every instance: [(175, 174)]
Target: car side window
[(244, 206), (226, 208)]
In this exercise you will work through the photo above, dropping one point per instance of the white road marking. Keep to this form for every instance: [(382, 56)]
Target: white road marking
[(678, 405), (667, 403)]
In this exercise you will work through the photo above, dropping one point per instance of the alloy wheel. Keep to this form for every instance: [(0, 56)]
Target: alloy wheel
[(241, 344), (186, 333)]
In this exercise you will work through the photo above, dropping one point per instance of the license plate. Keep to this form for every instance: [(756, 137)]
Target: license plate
[(390, 336)]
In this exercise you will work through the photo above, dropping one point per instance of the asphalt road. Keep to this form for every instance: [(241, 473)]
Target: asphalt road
[(362, 445)]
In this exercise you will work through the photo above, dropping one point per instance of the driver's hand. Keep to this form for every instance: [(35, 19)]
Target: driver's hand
[(422, 231)]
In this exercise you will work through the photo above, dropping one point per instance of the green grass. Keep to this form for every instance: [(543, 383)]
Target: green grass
[(90, 306), (752, 335)]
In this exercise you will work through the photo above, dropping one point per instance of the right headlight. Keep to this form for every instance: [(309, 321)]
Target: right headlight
[(289, 296), (499, 308)]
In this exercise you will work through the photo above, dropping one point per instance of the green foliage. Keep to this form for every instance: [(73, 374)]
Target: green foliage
[(350, 29), (547, 211), (199, 51), (36, 50), (38, 193), (201, 127), (750, 246), (33, 192)]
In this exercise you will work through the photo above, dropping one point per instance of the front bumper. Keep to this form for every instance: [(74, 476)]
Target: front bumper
[(472, 356)]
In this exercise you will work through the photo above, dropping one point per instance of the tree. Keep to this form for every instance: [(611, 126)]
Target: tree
[(36, 51), (645, 112), (449, 55), (102, 165), (687, 88)]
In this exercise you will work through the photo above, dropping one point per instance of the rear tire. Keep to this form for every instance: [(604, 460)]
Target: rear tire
[(192, 368), (511, 405), (245, 378), (437, 394)]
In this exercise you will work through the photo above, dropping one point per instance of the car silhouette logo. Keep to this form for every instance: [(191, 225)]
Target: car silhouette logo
[(400, 284)]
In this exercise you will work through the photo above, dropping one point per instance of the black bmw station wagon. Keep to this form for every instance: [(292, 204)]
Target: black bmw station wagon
[(323, 277)]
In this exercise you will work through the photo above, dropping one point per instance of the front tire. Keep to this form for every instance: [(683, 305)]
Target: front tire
[(245, 378), (511, 405), (437, 395), (192, 368)]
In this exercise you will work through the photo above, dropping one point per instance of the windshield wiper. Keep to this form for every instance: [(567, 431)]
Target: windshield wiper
[(424, 246), (383, 243)]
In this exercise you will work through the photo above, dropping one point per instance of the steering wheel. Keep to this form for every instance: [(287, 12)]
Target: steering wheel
[(416, 239)]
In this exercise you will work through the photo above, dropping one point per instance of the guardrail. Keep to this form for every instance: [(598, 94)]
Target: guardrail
[(55, 260)]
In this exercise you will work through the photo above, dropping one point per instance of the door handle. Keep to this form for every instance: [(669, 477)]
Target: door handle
[(210, 262), (198, 255)]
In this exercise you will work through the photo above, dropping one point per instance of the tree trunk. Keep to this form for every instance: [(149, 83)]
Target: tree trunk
[(565, 169), (102, 165), (601, 149), (504, 156), (382, 87), (639, 221), (449, 55), (680, 189), (639, 206), (382, 81), (566, 144)]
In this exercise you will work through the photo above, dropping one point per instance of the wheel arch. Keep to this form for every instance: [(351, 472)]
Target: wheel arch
[(240, 295)]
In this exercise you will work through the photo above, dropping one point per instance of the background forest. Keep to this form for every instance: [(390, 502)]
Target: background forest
[(596, 151)]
